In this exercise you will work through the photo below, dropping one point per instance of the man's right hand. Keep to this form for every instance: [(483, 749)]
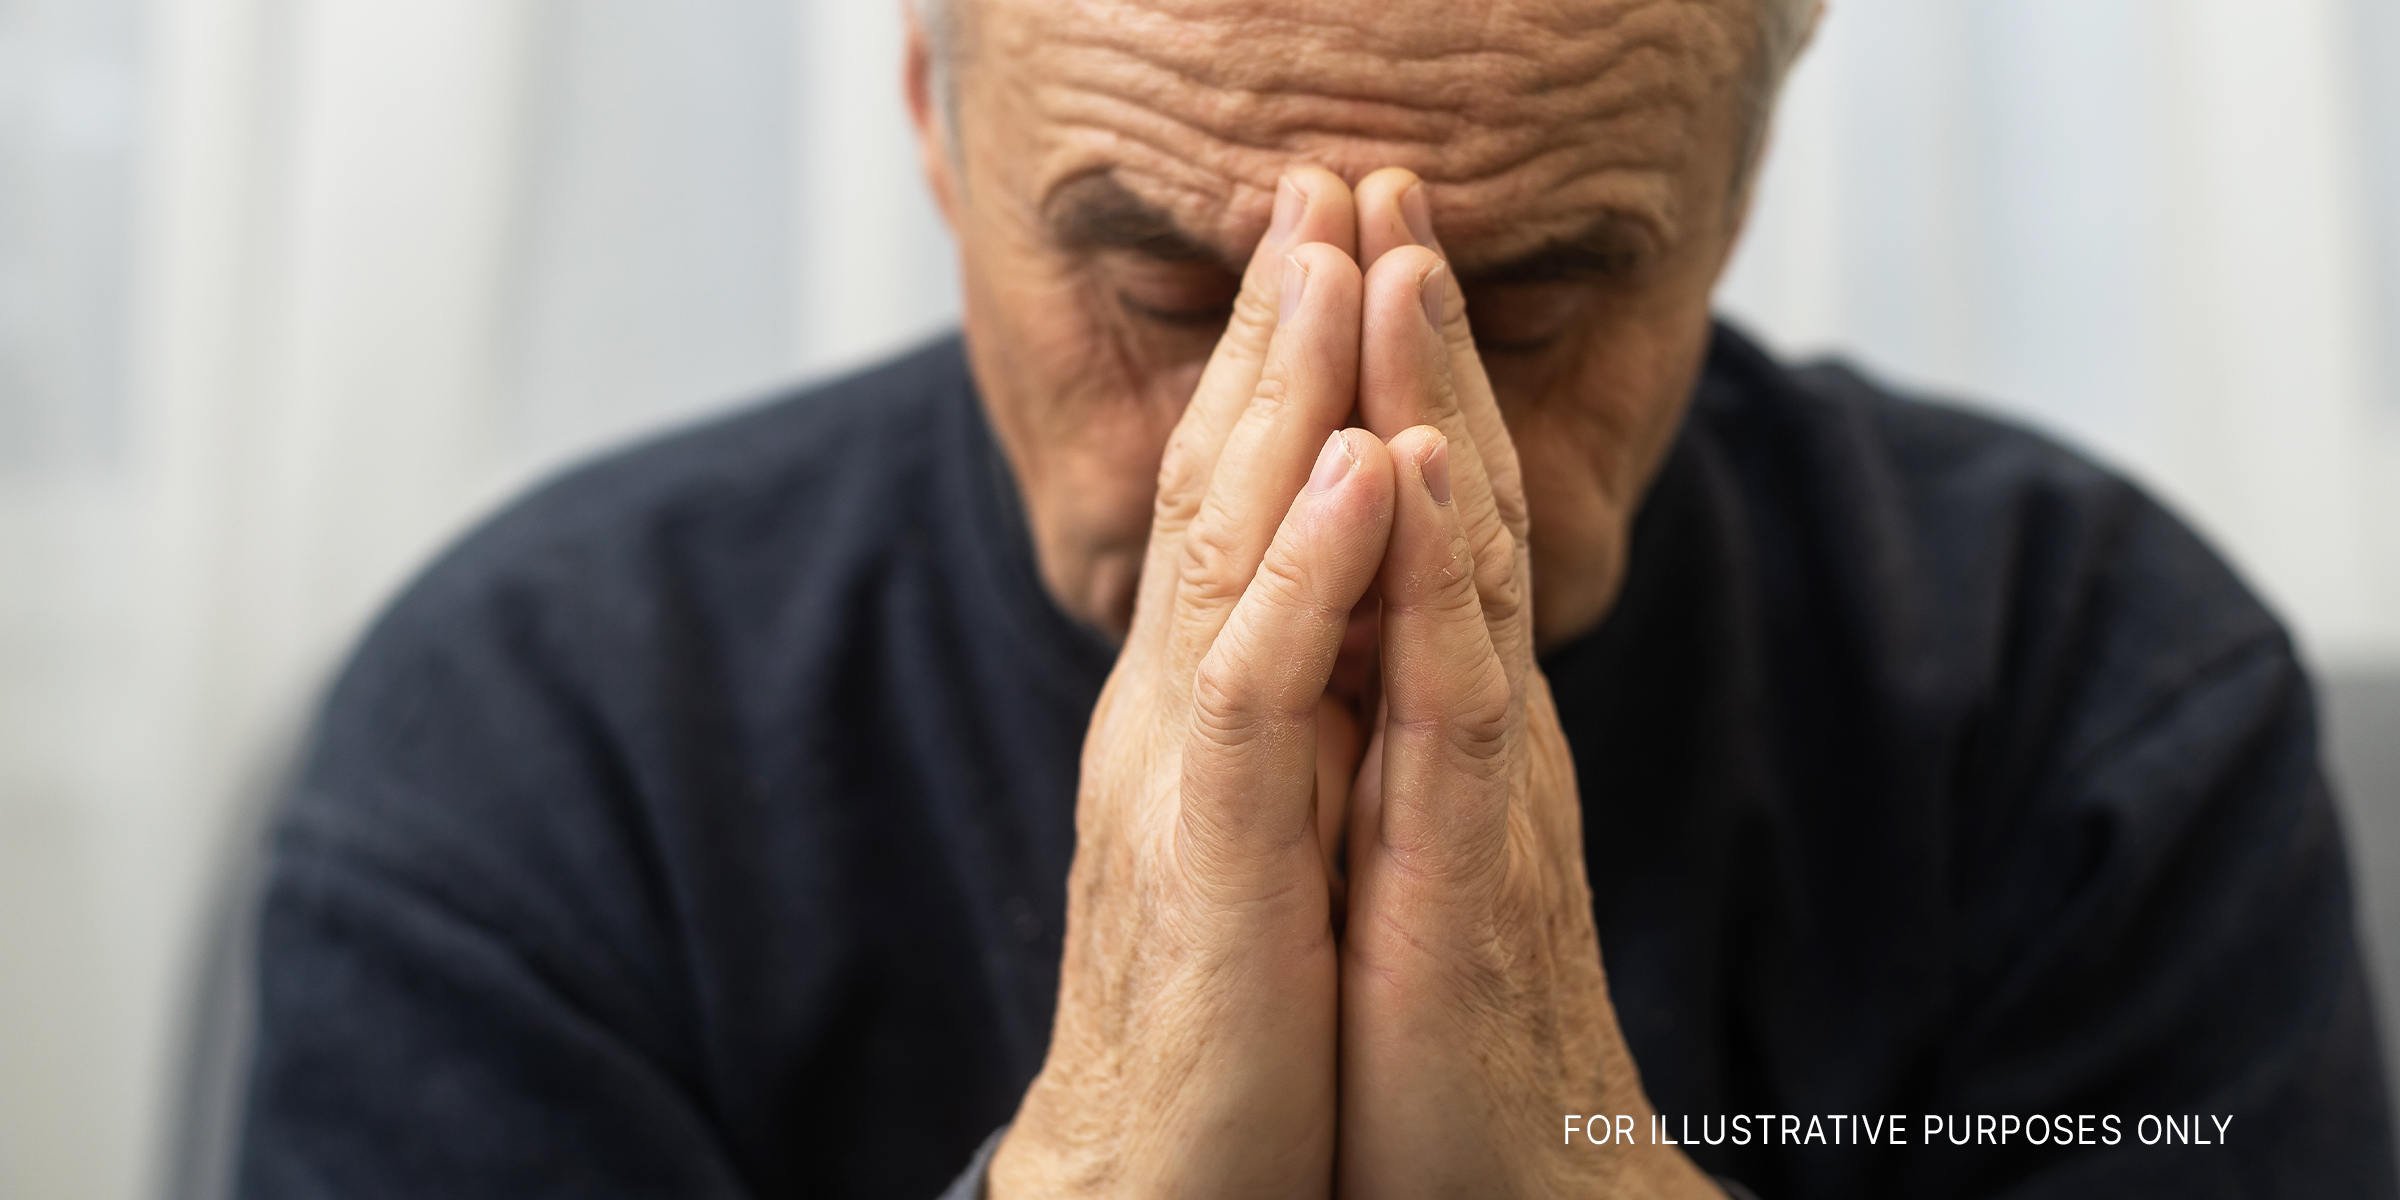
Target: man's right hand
[(1195, 1042)]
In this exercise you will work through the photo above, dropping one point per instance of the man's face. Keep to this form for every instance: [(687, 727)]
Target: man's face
[(1116, 161)]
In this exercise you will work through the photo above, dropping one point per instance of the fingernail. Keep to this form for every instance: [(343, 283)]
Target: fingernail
[(1333, 463), (1295, 282), (1289, 206), (1430, 290), (1435, 468), (1417, 212)]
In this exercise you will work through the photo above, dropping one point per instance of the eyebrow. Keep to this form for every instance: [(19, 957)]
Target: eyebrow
[(1096, 212), (1612, 244)]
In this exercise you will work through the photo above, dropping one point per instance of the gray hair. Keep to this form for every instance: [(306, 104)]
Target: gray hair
[(1783, 28), (939, 21)]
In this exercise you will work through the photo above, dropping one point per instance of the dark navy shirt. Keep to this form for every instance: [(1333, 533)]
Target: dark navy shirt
[(699, 827)]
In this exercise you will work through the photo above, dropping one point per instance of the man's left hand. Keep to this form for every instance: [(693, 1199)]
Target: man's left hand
[(1475, 1012)]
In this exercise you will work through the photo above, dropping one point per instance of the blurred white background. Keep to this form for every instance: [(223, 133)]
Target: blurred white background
[(291, 289)]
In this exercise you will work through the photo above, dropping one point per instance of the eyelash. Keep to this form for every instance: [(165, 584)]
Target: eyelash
[(1180, 318), (1491, 347)]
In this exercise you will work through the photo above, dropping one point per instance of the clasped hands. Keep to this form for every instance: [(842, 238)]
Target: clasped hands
[(1333, 935)]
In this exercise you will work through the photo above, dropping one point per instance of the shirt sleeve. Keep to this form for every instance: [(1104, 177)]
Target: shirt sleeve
[(406, 1049)]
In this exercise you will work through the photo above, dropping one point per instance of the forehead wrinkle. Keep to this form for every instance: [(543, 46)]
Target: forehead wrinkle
[(1483, 221), (1099, 81), (1644, 78), (1244, 79), (1207, 176), (1622, 130), (1206, 105), (1617, 113), (1246, 46)]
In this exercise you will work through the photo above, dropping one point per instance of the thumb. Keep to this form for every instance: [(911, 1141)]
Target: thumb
[(1250, 756), (1311, 205)]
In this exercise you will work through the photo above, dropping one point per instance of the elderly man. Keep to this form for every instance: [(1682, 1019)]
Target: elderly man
[(1202, 733)]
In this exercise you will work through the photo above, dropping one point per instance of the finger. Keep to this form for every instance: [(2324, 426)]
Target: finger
[(1249, 761), (1306, 390), (1451, 717), (1481, 408), (1311, 205), (1394, 210), (1406, 378)]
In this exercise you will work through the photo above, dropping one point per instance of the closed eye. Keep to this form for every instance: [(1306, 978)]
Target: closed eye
[(1179, 295), (1523, 318)]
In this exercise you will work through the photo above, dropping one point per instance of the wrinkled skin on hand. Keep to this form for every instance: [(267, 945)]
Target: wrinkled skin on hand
[(1474, 1006), (1193, 1051), (1329, 929), (1214, 1037)]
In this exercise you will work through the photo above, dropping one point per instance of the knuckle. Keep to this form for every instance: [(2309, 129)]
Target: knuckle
[(1498, 584), (1210, 570), (1270, 396), (1510, 500), (1477, 730), (1225, 704), (1508, 490), (1441, 589), (1458, 332), (1182, 483), (1474, 725), (1447, 403), (1221, 822), (1253, 322), (1486, 714), (1285, 587)]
